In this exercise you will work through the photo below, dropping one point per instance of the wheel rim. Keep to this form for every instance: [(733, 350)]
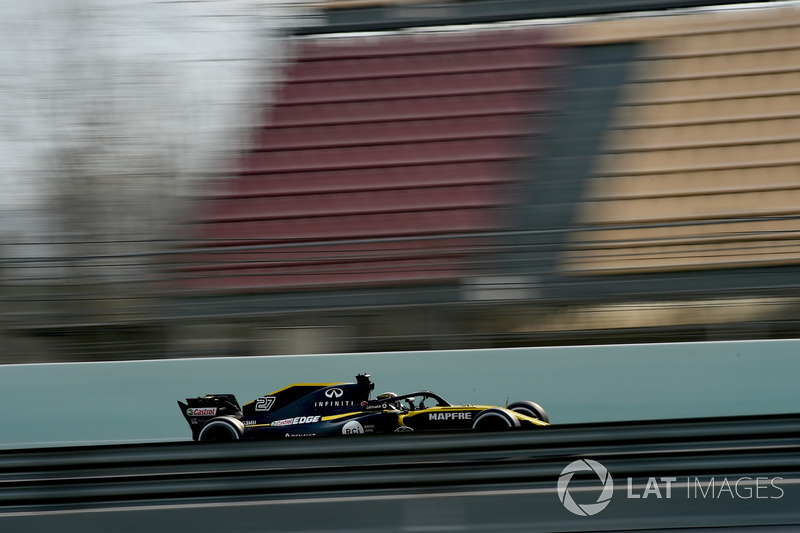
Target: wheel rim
[(220, 432), (492, 422)]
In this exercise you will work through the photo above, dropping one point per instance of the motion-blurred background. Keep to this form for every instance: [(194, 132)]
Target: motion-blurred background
[(234, 178)]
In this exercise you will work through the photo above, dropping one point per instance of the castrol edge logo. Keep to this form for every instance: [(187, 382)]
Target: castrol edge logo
[(201, 411)]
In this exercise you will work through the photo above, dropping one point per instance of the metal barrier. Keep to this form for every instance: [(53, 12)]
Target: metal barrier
[(382, 15), (461, 482)]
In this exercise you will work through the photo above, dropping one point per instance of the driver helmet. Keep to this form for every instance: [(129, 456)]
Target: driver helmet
[(387, 397)]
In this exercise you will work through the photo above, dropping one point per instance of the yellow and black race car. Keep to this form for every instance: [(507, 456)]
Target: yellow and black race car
[(320, 409)]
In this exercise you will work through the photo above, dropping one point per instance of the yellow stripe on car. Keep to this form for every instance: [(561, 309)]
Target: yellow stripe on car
[(335, 417), (534, 421)]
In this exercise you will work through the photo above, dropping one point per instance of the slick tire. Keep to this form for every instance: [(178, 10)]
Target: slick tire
[(222, 429), (531, 409), (494, 420)]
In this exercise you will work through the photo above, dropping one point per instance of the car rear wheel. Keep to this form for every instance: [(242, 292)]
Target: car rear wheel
[(494, 420), (221, 430), (531, 409)]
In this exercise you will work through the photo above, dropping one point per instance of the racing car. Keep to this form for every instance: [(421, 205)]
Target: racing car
[(322, 409)]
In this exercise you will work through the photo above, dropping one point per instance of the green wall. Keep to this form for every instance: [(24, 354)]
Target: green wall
[(90, 403)]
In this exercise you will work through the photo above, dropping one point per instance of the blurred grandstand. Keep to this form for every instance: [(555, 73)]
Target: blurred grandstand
[(455, 175)]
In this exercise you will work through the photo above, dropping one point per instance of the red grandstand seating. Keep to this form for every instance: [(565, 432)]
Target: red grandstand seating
[(403, 144), (430, 107), (460, 173)]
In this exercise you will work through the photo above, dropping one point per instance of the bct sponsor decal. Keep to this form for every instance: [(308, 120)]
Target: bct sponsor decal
[(352, 428), (334, 393), (450, 416), (296, 420), (201, 411)]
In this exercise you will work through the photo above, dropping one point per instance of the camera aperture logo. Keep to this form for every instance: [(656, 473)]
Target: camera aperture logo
[(586, 509)]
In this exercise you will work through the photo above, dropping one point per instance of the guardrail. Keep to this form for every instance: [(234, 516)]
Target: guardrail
[(72, 484), (383, 15)]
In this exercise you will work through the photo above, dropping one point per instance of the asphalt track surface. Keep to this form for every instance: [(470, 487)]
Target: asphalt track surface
[(728, 474)]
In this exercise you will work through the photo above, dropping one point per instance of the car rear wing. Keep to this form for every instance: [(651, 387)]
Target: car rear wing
[(201, 410)]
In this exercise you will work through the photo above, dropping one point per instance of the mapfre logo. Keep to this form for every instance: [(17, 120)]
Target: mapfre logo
[(334, 393), (585, 509)]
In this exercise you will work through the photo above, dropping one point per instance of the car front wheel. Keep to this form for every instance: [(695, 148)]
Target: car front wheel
[(531, 409), (494, 420)]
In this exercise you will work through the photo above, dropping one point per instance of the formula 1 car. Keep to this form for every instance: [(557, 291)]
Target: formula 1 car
[(320, 409)]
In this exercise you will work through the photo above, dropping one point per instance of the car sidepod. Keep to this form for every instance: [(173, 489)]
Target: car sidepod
[(353, 423), (465, 417), (362, 423), (440, 418)]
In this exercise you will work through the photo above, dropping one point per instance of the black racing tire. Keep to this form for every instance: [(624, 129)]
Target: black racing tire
[(531, 409), (222, 429), (494, 419)]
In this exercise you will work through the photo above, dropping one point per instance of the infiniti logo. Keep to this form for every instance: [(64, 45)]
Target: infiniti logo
[(334, 393)]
